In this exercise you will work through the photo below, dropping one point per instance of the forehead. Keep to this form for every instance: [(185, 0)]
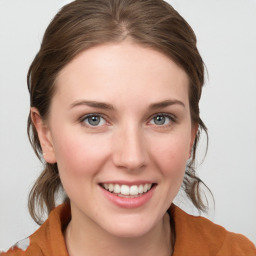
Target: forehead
[(118, 70)]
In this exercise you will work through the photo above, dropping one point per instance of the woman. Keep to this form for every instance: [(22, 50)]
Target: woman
[(114, 116)]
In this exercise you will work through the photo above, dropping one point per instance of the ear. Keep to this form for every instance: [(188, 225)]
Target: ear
[(194, 130), (44, 135)]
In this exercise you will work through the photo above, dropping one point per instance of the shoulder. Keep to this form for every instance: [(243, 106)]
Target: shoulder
[(23, 248), (48, 239), (237, 244), (196, 235)]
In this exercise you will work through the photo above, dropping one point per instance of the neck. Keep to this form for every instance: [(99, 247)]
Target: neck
[(81, 242)]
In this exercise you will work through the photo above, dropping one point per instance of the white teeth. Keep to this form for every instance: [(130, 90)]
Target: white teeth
[(134, 190), (141, 189), (111, 187), (126, 190), (117, 189)]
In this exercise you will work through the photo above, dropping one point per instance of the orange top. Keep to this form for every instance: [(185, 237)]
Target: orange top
[(195, 236)]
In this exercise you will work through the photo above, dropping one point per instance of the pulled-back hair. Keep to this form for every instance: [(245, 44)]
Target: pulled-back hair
[(86, 23)]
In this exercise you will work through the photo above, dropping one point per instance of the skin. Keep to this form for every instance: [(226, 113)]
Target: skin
[(127, 145)]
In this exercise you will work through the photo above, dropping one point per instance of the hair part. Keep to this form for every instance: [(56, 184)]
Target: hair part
[(83, 24)]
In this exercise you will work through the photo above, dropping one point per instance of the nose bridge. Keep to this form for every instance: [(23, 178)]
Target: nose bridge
[(129, 148)]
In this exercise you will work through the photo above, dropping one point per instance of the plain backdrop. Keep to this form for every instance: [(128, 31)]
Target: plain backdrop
[(226, 32)]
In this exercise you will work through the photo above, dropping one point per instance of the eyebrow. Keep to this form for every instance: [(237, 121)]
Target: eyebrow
[(107, 106), (94, 104), (166, 103)]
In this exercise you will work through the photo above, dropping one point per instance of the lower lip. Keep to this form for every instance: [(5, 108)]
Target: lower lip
[(129, 203)]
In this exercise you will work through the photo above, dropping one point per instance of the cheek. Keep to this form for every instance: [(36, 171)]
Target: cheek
[(171, 155), (80, 155), (79, 159)]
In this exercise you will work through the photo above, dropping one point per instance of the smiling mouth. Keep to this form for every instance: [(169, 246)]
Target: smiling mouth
[(127, 191)]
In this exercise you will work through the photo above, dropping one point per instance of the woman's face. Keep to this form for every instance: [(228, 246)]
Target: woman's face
[(120, 120)]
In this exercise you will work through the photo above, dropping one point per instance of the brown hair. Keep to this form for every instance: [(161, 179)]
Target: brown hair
[(86, 23)]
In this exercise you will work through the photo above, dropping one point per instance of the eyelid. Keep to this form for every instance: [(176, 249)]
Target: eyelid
[(173, 118), (84, 117), (89, 115)]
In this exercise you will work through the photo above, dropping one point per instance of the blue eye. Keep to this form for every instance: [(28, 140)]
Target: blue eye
[(161, 119), (94, 120)]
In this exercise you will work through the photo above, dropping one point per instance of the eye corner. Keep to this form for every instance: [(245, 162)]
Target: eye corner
[(93, 120), (162, 119)]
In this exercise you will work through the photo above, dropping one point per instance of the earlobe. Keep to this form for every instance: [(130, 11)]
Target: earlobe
[(44, 135)]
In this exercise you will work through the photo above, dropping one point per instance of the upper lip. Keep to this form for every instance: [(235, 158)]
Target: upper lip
[(128, 183)]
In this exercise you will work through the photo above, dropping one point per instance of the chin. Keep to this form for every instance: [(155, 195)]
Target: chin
[(130, 227)]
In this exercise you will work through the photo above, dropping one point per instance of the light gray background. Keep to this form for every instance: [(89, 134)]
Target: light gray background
[(226, 31)]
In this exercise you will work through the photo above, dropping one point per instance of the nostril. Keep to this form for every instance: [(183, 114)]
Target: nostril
[(128, 148)]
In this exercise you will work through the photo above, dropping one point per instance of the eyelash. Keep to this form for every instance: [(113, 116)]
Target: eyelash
[(172, 119), (84, 118)]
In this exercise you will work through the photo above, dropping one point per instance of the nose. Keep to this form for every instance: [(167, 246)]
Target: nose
[(129, 149)]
